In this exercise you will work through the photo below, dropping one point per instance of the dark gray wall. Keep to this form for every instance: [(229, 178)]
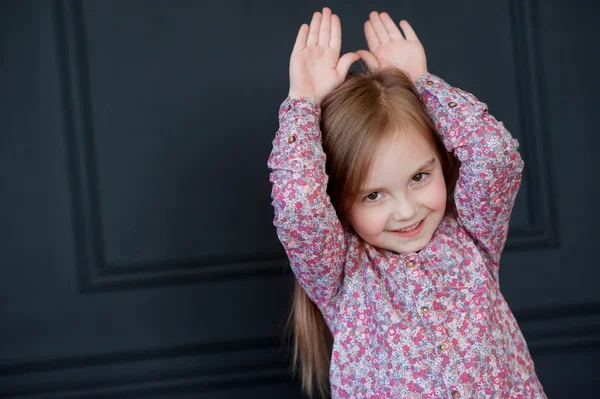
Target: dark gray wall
[(137, 253)]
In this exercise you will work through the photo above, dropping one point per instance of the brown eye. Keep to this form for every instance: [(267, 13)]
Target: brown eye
[(418, 177), (373, 196)]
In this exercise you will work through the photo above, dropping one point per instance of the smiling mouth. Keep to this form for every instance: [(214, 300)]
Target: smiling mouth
[(411, 231), (409, 228)]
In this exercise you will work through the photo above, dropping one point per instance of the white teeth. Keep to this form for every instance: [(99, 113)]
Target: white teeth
[(410, 227)]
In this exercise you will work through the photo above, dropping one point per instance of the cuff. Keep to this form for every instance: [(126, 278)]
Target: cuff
[(446, 104), (297, 144), (302, 107)]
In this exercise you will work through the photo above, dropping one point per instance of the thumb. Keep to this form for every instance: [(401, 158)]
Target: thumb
[(369, 59), (345, 62)]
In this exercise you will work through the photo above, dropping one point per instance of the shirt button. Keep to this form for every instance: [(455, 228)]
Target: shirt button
[(452, 104), (425, 309), (443, 346), (429, 83), (455, 394), (292, 139), (288, 108), (410, 265)]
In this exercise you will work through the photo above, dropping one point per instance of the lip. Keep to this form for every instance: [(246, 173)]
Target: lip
[(411, 233)]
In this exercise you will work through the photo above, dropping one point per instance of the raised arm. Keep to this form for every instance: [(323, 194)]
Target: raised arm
[(306, 222), (491, 167), (490, 173)]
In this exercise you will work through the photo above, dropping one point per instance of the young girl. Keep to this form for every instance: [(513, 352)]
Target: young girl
[(399, 253)]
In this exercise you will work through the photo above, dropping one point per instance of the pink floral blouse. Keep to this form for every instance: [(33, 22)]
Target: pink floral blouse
[(432, 324)]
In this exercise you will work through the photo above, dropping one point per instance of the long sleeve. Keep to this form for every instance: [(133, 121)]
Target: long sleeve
[(306, 222), (491, 167)]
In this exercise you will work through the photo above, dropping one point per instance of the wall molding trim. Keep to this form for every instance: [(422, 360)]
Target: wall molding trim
[(561, 329), (98, 275), (191, 368), (95, 273), (184, 368), (542, 230)]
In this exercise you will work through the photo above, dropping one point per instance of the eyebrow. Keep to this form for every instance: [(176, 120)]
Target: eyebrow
[(426, 165)]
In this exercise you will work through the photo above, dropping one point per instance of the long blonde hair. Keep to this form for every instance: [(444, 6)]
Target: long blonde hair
[(355, 118)]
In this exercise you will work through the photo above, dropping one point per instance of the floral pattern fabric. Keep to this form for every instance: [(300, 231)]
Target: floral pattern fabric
[(431, 324)]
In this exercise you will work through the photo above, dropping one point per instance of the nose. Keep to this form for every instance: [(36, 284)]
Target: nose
[(404, 210)]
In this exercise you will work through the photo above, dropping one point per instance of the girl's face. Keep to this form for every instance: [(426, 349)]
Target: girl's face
[(404, 197)]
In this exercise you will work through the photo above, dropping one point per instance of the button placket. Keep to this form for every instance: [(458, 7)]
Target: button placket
[(423, 301), (426, 305), (415, 274)]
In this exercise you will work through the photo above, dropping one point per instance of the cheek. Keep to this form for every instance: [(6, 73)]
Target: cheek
[(369, 222), (436, 196)]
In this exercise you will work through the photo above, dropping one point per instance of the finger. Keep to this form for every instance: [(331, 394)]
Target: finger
[(335, 42), (390, 26), (408, 30), (325, 30), (301, 38), (380, 31), (345, 62), (371, 36), (369, 59), (313, 32)]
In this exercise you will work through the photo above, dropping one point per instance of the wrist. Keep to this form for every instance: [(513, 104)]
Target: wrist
[(418, 75), (299, 95)]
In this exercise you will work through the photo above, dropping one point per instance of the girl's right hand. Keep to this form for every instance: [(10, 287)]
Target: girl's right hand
[(315, 65)]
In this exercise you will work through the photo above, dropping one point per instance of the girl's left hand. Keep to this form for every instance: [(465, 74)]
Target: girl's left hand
[(388, 48)]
